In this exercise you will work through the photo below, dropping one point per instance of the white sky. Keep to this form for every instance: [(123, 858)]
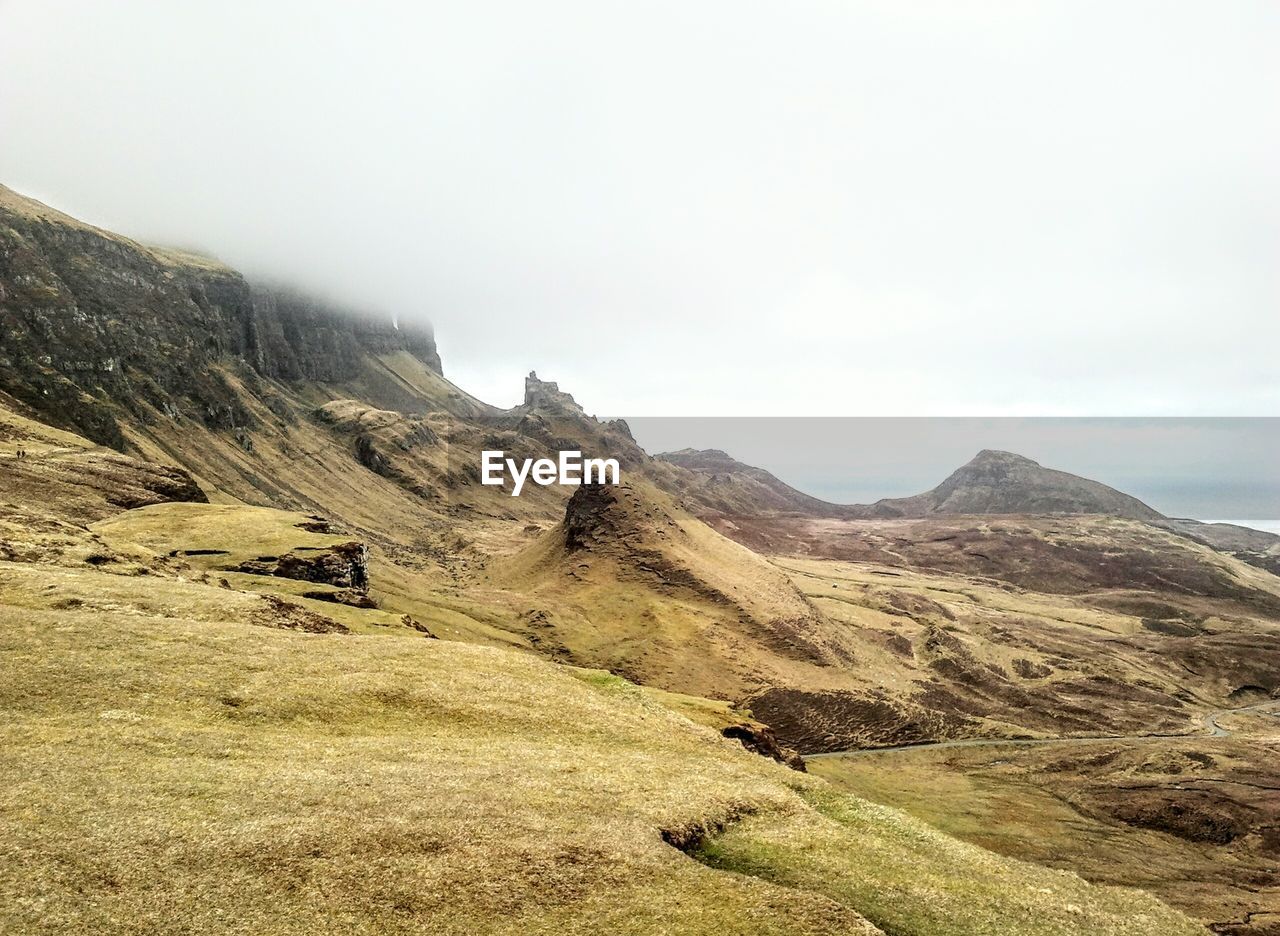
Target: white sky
[(789, 208)]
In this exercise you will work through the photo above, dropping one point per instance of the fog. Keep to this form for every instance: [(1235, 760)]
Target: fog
[(716, 208)]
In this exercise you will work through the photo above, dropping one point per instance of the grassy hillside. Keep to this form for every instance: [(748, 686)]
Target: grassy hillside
[(170, 764), (1192, 821), (631, 582)]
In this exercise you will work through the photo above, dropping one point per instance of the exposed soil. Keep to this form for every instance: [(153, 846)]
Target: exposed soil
[(1199, 815), (760, 739), (288, 616), (815, 722)]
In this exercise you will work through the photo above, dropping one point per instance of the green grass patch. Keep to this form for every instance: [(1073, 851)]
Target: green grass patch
[(908, 878)]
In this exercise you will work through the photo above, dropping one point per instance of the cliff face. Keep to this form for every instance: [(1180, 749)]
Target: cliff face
[(290, 336), (92, 324)]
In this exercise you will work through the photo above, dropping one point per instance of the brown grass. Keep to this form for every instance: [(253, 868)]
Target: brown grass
[(167, 766)]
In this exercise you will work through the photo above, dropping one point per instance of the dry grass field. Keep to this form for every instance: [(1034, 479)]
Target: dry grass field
[(170, 764), (1193, 821)]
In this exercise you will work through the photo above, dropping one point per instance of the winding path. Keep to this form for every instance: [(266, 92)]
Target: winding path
[(1212, 729)]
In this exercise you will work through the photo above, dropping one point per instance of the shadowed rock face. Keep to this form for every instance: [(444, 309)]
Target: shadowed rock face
[(760, 739), (617, 521), (592, 518), (93, 324)]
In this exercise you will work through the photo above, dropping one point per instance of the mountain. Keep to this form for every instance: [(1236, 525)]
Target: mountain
[(262, 397), (759, 510), (722, 483), (993, 482), (1004, 483), (245, 553)]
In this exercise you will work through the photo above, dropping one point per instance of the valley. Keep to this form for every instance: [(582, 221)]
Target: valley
[(277, 659), (1191, 818)]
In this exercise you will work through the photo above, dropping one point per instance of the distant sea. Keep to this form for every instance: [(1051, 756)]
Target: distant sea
[(1267, 526)]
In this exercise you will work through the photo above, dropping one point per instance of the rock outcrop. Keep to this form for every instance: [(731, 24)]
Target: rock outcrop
[(545, 396), (595, 517), (344, 566), (635, 536), (620, 523)]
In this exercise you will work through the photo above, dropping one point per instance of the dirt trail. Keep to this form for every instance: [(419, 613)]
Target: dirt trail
[(1212, 729)]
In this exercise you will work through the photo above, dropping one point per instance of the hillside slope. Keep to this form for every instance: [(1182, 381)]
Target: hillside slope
[(385, 449), (170, 764), (187, 747), (716, 481), (629, 582)]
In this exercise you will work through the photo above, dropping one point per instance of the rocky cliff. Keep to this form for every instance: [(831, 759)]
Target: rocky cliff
[(94, 325)]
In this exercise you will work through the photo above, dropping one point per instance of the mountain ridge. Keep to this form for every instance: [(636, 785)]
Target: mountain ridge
[(99, 327), (1000, 482), (992, 482)]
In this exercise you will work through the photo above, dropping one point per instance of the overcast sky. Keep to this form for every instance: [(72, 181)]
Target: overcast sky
[(709, 207)]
